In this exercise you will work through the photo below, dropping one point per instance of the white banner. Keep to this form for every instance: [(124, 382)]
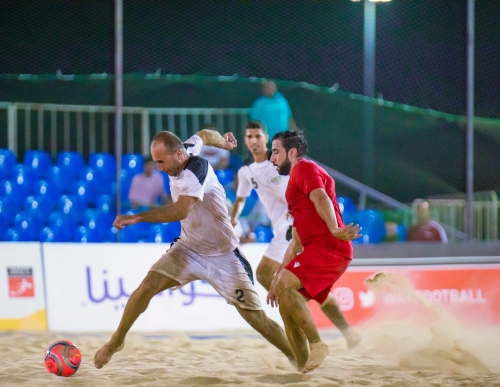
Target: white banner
[(88, 286), (22, 305)]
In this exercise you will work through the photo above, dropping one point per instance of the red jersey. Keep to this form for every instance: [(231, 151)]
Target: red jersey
[(305, 177)]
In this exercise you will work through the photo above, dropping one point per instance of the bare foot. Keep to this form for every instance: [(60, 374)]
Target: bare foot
[(103, 356), (319, 351), (352, 338)]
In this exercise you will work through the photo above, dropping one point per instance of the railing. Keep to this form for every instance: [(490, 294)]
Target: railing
[(87, 129), (450, 210)]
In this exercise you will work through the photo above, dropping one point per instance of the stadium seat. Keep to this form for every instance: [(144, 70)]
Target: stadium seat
[(235, 162), (346, 204), (23, 177), (263, 234), (46, 190), (401, 231), (164, 232), (129, 234), (133, 163), (125, 181), (106, 204), (87, 235), (63, 224), (39, 208), (13, 192), (27, 227), (39, 161), (50, 235), (8, 211), (12, 236), (7, 162), (71, 164), (85, 192), (104, 165), (166, 182), (97, 223), (225, 176), (62, 183), (372, 222), (72, 207)]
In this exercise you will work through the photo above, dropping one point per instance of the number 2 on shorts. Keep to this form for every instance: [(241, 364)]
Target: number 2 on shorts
[(239, 295)]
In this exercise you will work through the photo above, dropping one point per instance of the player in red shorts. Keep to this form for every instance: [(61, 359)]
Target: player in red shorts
[(320, 251)]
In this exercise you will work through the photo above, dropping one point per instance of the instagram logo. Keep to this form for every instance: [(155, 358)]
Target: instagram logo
[(344, 297)]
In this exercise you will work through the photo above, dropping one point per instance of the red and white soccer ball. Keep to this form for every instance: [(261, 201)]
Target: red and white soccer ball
[(63, 358)]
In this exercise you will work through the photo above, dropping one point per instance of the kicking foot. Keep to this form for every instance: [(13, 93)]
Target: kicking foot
[(352, 338), (103, 356), (319, 351)]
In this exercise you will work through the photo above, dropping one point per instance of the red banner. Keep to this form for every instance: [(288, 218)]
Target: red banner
[(471, 293)]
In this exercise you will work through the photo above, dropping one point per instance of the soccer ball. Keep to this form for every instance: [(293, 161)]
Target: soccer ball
[(63, 358)]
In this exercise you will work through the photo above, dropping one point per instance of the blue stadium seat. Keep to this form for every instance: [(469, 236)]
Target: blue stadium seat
[(346, 204), (62, 183), (225, 176), (372, 222), (129, 234), (27, 227), (106, 204), (263, 234), (13, 192), (235, 161), (125, 181), (23, 177), (62, 224), (72, 207), (47, 190), (53, 235), (104, 165), (133, 163), (97, 223), (7, 162), (39, 208), (85, 192), (39, 161), (71, 164), (164, 232), (12, 236), (8, 211), (401, 231), (166, 182), (87, 235)]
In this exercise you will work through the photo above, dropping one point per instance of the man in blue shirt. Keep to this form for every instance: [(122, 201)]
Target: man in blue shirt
[(273, 110)]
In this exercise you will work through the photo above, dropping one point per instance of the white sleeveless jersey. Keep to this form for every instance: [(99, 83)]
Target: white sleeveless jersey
[(207, 230), (270, 187)]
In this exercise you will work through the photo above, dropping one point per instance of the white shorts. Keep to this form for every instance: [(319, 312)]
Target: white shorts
[(278, 245), (230, 274)]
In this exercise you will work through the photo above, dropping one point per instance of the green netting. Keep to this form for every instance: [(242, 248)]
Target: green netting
[(416, 152)]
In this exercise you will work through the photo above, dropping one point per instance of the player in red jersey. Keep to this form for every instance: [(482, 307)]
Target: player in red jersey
[(320, 251)]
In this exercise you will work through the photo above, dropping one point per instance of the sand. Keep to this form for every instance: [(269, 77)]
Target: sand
[(396, 351)]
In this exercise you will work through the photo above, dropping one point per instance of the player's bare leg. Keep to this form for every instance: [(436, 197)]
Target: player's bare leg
[(292, 300), (266, 271), (296, 337), (269, 329), (136, 304), (332, 310)]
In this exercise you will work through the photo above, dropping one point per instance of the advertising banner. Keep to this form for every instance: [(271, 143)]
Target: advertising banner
[(22, 305), (469, 292), (88, 286)]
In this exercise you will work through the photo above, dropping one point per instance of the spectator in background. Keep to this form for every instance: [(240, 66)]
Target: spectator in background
[(426, 229), (217, 157), (147, 189), (273, 110)]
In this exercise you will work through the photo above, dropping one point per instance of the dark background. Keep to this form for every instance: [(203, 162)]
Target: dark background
[(420, 55)]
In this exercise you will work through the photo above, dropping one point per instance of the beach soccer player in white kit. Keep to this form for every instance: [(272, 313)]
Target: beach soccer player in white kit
[(260, 174), (207, 248)]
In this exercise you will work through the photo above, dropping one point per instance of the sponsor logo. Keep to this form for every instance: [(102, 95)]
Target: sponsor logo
[(366, 299), (442, 296), (296, 264), (344, 297), (276, 179), (20, 279)]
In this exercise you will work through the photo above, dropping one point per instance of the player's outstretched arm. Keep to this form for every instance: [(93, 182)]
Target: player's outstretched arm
[(324, 207), (211, 137), (170, 213), (238, 205)]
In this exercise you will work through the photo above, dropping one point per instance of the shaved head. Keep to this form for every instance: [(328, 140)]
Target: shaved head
[(168, 139)]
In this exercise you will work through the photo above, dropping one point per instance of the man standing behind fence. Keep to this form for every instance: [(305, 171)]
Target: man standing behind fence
[(273, 110)]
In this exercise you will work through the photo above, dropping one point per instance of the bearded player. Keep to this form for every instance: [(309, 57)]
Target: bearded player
[(260, 174), (322, 239)]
